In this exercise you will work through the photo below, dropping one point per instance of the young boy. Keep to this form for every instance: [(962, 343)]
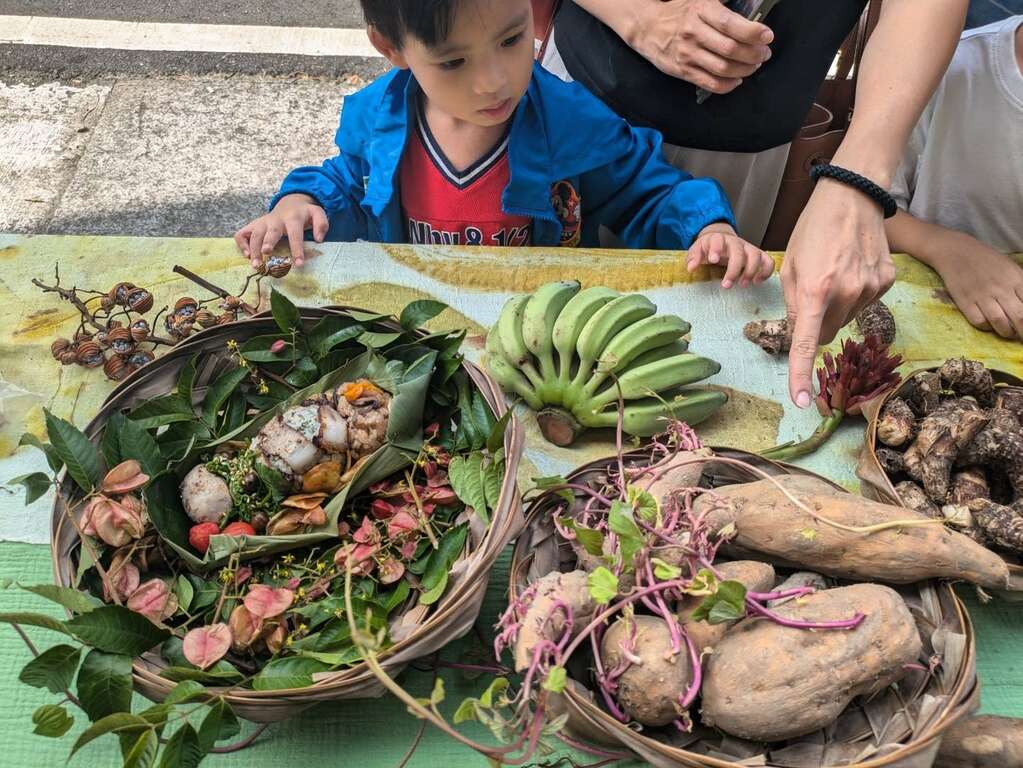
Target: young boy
[(467, 142), (960, 185)]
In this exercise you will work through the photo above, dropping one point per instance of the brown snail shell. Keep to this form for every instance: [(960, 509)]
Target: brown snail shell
[(205, 318), (69, 356), (90, 354), (58, 346), (186, 307), (140, 357), (140, 301), (82, 335), (121, 341), (276, 266), (122, 292), (140, 330), (115, 368)]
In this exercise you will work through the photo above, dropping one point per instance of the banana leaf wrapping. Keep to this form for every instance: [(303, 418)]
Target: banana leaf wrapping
[(875, 482), (415, 632), (901, 727)]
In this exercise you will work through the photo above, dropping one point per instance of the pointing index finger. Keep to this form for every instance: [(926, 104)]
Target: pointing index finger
[(805, 319)]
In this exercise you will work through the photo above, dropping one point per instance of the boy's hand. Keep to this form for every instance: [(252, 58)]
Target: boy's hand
[(292, 216), (719, 244), (986, 285)]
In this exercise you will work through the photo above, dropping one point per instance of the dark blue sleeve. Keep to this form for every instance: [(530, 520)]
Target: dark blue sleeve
[(646, 201)]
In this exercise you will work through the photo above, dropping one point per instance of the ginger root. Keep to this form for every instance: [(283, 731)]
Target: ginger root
[(897, 425)]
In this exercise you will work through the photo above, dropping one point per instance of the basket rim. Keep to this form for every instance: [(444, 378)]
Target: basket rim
[(505, 523), (868, 454), (959, 701)]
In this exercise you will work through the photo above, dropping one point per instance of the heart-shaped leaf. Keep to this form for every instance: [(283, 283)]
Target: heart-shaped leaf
[(205, 646), (53, 669), (52, 720)]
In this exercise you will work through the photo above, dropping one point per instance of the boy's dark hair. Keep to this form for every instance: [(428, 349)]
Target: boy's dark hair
[(427, 20)]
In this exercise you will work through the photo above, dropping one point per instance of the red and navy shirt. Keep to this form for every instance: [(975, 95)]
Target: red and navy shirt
[(445, 206)]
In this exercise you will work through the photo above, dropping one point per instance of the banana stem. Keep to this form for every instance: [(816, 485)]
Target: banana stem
[(820, 436)]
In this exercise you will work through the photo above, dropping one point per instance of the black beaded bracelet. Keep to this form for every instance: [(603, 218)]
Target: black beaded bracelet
[(862, 183)]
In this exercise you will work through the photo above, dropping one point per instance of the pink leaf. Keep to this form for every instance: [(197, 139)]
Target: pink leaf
[(205, 646), (403, 522), (124, 478), (153, 600), (265, 602), (381, 509)]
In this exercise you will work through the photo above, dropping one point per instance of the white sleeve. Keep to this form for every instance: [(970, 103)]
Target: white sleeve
[(904, 180)]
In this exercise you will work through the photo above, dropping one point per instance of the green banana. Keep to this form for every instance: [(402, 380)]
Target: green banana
[(508, 331), (605, 324), (639, 338), (579, 309), (512, 381), (538, 319), (648, 416), (668, 350), (653, 377)]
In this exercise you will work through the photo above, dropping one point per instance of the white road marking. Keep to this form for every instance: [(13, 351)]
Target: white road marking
[(200, 38)]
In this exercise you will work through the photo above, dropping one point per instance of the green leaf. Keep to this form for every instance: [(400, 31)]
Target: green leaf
[(556, 679), (397, 596), (321, 346), (36, 485), (603, 585), (52, 720), (644, 504), (288, 672), (212, 676), (182, 749), (186, 379), (375, 340), (285, 313), (631, 539), (553, 481), (136, 443), (72, 599), (110, 442), (220, 723), (116, 629), (304, 374), (431, 596), (52, 458), (466, 711), (53, 669), (494, 690), (492, 477), (437, 694), (158, 715), (120, 723), (75, 450), (665, 571), (161, 411), (34, 620), (465, 475), (219, 392), (495, 440), (184, 691), (591, 539), (184, 591), (727, 604), (234, 413), (443, 557), (418, 312), (104, 684), (143, 753)]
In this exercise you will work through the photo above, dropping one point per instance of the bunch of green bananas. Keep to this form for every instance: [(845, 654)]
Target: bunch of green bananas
[(571, 354)]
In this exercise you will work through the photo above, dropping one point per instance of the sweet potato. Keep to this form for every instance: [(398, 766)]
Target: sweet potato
[(543, 620), (982, 742), (768, 522), (755, 576), (768, 682), (648, 690)]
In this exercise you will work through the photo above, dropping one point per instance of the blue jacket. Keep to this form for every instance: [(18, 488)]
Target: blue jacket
[(560, 132)]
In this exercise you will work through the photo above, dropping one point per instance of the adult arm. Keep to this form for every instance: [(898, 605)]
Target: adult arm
[(699, 41), (838, 259)]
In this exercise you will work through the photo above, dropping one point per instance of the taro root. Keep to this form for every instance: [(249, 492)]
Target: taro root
[(877, 320), (923, 392), (968, 377), (772, 336), (999, 445), (943, 436), (968, 484), (1001, 524), (912, 496), (654, 679), (1010, 399), (768, 682), (754, 575), (892, 461), (205, 496), (897, 425), (545, 618), (767, 521)]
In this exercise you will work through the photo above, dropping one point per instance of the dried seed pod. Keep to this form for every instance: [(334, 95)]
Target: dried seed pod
[(108, 302), (140, 330), (877, 320), (205, 318), (968, 377), (120, 341), (69, 356), (912, 496), (276, 266), (891, 461), (140, 301), (82, 335), (58, 347), (897, 425), (140, 357), (186, 307), (121, 292), (115, 368), (88, 350)]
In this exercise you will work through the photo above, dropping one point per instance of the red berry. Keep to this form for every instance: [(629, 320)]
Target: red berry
[(199, 536), (239, 529)]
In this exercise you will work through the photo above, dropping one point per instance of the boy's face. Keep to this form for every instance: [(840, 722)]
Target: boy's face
[(481, 71)]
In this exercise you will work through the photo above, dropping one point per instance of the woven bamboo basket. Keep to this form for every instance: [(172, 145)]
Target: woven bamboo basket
[(451, 617), (912, 741), (875, 481)]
